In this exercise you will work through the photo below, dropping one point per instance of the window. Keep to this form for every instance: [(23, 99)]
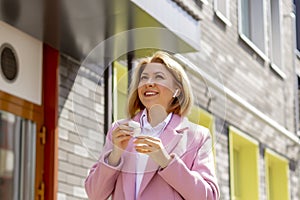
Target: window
[(276, 32), (251, 25), (120, 90), (297, 12), (297, 105), (203, 118), (276, 37), (244, 158), (277, 176), (222, 10), (17, 155)]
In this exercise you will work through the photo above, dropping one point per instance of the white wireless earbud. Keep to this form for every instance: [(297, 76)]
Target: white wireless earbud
[(175, 93)]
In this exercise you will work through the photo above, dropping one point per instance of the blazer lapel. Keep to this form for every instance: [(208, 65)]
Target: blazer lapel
[(128, 172), (173, 140)]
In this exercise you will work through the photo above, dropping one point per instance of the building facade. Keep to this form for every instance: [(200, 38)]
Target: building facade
[(65, 73)]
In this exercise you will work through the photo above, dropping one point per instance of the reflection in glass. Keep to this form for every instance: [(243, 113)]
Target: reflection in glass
[(17, 157)]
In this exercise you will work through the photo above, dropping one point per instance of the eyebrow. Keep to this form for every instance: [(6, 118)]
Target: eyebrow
[(145, 73)]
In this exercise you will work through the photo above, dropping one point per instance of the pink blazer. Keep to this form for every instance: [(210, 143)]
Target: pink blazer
[(190, 175)]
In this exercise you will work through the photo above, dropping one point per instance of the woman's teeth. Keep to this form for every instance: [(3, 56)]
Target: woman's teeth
[(150, 93)]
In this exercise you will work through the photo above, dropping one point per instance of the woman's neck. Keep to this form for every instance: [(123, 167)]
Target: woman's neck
[(156, 114)]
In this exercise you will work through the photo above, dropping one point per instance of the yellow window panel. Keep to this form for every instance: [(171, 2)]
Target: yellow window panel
[(237, 173), (202, 117), (120, 90), (244, 168), (121, 75), (277, 176)]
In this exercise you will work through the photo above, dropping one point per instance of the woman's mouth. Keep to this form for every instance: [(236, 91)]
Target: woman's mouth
[(150, 93)]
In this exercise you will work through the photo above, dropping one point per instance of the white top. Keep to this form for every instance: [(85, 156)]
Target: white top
[(142, 159)]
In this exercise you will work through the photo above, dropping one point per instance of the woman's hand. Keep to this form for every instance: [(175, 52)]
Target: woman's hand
[(153, 147), (120, 138)]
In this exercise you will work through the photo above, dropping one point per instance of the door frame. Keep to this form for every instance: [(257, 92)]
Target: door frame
[(33, 112), (46, 118)]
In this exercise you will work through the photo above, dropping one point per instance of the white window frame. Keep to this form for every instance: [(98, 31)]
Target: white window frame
[(225, 17), (297, 101), (295, 19), (245, 38), (275, 37)]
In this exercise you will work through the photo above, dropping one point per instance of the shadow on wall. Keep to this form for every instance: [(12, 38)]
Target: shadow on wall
[(10, 10)]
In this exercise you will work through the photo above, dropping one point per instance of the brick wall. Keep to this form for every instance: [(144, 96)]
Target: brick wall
[(81, 138)]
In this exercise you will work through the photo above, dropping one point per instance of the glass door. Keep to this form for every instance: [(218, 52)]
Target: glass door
[(17, 157)]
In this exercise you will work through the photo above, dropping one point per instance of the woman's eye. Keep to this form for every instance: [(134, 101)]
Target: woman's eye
[(159, 77), (143, 78)]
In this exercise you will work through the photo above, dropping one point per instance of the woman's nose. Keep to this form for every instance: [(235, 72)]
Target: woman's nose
[(150, 82)]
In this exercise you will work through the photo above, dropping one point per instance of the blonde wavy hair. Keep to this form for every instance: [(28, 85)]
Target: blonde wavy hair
[(181, 105)]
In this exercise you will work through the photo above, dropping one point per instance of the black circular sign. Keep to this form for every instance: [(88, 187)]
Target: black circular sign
[(9, 64)]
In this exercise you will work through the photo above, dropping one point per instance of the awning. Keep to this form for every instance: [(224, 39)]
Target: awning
[(76, 27)]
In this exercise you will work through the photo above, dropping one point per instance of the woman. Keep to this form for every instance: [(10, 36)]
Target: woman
[(171, 158)]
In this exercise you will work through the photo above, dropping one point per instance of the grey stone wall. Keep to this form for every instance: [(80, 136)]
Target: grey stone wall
[(81, 138)]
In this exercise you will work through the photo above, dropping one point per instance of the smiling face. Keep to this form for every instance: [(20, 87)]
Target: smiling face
[(156, 86)]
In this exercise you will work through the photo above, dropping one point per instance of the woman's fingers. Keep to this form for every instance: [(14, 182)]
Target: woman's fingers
[(123, 133), (146, 144), (151, 141), (125, 127), (121, 136), (154, 148), (143, 149), (142, 146), (149, 138), (122, 129)]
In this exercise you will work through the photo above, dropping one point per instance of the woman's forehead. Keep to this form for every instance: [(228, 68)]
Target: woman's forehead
[(155, 67)]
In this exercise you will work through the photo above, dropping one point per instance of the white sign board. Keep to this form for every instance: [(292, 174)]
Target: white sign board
[(29, 53)]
